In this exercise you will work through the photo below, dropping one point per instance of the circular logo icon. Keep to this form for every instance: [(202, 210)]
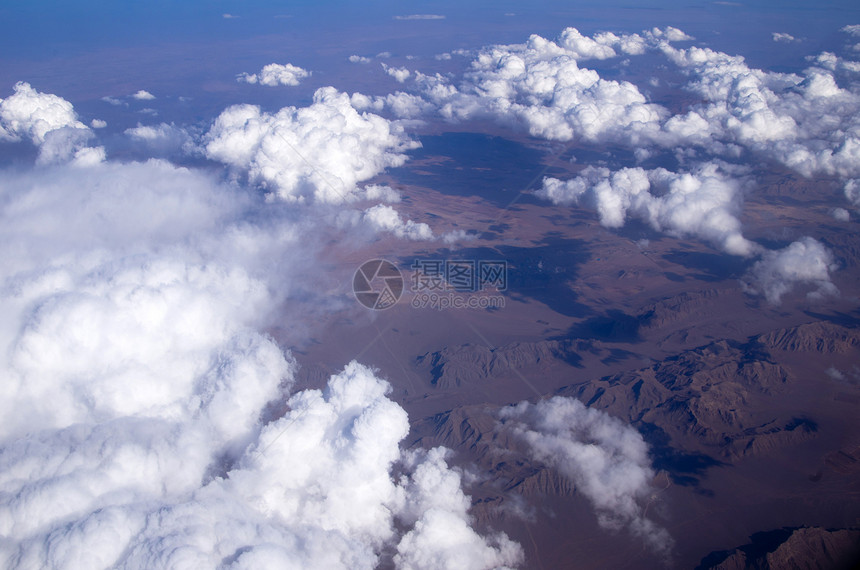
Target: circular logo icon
[(377, 284)]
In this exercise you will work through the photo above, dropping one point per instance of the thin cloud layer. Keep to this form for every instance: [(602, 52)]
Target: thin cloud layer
[(317, 153), (276, 74), (420, 17), (605, 459)]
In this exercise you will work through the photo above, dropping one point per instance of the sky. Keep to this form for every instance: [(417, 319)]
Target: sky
[(165, 167)]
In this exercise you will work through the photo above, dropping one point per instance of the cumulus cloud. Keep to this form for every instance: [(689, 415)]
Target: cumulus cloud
[(381, 193), (98, 124), (137, 385), (807, 122), (541, 86), (440, 535), (840, 214), (401, 74), (783, 37), (805, 262), (276, 74), (852, 191), (384, 218), (852, 29), (705, 202), (359, 59), (605, 459), (31, 114), (143, 95), (401, 105), (319, 152), (317, 491), (162, 137), (49, 122)]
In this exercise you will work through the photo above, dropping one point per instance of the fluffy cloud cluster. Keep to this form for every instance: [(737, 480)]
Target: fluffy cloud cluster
[(316, 490), (162, 137), (140, 397), (540, 85), (420, 17), (319, 152), (806, 122), (401, 105), (143, 95), (804, 262), (401, 74), (704, 203), (49, 122), (606, 460), (276, 74), (386, 219), (783, 37)]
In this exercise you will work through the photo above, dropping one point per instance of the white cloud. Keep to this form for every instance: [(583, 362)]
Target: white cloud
[(379, 192), (541, 86), (783, 37), (49, 122), (401, 105), (704, 203), (162, 137), (275, 74), (384, 218), (317, 491), (834, 373), (852, 191), (804, 262), (583, 47), (401, 74), (98, 124), (143, 96), (852, 29), (840, 214), (318, 152), (136, 384), (606, 460), (31, 114), (440, 535), (359, 59)]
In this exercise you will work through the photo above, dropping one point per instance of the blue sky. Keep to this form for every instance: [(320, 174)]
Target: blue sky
[(76, 47)]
